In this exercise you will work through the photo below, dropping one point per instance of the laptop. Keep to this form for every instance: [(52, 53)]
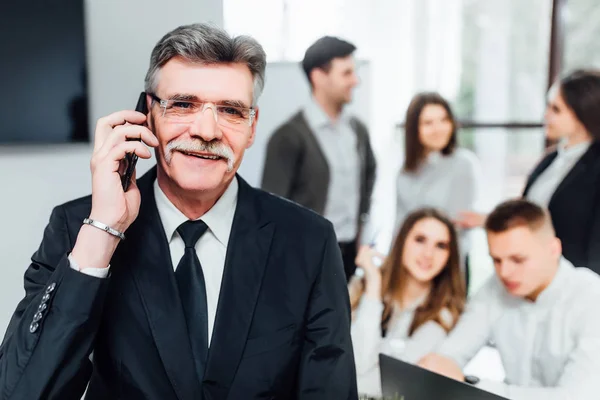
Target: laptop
[(403, 381)]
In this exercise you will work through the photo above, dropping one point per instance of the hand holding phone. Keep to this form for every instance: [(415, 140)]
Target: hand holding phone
[(130, 160)]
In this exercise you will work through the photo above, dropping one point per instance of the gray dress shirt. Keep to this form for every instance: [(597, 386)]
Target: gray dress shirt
[(338, 143), (550, 348), (449, 183)]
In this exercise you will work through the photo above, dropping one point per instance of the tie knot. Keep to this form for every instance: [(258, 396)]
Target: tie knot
[(191, 231)]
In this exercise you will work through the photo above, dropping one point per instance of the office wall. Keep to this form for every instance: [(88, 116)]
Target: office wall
[(119, 37)]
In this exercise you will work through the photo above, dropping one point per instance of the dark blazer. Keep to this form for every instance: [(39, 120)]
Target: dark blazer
[(282, 329), (575, 208), (296, 168)]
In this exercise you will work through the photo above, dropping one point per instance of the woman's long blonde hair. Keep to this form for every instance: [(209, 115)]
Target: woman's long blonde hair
[(447, 288)]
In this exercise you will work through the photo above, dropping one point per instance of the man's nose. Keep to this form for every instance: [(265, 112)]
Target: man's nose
[(205, 125)]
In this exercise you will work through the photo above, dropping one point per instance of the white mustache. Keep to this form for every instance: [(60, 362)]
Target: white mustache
[(214, 148)]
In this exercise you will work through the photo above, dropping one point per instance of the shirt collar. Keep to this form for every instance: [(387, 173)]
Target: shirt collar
[(218, 219), (433, 157), (317, 118), (416, 303), (552, 292), (572, 152)]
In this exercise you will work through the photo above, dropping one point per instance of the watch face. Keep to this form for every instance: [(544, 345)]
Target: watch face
[(473, 380)]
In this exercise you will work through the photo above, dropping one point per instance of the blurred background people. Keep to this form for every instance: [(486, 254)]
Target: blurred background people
[(538, 309), (435, 171), (567, 179), (408, 306), (321, 157)]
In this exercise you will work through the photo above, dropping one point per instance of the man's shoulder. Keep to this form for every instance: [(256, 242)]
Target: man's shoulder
[(296, 122), (492, 292), (585, 284), (290, 214), (78, 208)]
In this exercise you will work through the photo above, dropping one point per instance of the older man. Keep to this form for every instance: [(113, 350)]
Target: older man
[(218, 291)]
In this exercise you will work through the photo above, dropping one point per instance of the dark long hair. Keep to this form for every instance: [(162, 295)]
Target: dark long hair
[(414, 149), (581, 91), (447, 288)]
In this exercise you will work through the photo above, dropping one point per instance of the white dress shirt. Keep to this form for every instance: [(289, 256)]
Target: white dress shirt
[(545, 185), (368, 342), (211, 248), (550, 348), (338, 143)]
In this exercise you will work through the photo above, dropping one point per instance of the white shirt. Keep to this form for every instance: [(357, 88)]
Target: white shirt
[(211, 248), (338, 143), (368, 342), (545, 185), (550, 348)]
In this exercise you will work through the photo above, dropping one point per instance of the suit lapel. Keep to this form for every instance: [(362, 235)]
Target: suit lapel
[(245, 263), (541, 167), (302, 125), (578, 169), (149, 256)]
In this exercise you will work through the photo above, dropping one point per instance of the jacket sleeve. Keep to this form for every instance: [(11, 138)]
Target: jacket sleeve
[(370, 170), (366, 334), (327, 368), (593, 255), (45, 351), (281, 162)]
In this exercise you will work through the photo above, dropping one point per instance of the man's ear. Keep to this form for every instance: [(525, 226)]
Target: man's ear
[(556, 247), (253, 128), (317, 76)]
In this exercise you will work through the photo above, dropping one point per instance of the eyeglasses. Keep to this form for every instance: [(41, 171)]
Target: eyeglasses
[(186, 111)]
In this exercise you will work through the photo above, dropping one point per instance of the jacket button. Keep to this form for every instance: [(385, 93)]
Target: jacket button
[(33, 327), (45, 297), (51, 288), (42, 307), (37, 317)]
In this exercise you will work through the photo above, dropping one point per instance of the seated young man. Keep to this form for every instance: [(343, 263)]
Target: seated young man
[(539, 310)]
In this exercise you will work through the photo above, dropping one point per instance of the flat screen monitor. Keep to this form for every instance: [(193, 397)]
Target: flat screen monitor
[(43, 80)]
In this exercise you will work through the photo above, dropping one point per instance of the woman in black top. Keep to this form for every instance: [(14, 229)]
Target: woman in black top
[(567, 179)]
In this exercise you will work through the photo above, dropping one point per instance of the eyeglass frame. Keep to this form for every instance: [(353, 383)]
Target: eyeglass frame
[(205, 104)]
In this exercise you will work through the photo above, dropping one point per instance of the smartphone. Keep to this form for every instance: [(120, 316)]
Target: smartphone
[(130, 159)]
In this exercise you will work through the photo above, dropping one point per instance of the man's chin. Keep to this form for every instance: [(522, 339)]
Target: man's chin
[(200, 181)]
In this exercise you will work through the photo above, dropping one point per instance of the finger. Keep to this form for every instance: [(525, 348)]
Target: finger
[(122, 117), (123, 133), (364, 249), (106, 124), (118, 152)]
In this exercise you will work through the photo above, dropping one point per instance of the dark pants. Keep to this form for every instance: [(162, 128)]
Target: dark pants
[(348, 256)]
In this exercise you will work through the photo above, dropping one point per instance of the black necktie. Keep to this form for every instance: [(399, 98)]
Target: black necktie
[(192, 291)]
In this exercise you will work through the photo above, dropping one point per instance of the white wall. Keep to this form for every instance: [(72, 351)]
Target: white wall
[(119, 36)]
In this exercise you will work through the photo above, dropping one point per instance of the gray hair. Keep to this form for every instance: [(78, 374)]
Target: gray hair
[(208, 44)]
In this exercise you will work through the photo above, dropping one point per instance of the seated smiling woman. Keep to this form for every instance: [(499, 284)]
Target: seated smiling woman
[(407, 307)]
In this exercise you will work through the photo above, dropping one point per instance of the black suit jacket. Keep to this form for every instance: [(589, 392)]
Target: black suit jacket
[(575, 208), (296, 168), (282, 329)]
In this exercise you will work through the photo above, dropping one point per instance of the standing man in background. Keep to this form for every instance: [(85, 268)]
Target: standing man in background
[(321, 158)]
